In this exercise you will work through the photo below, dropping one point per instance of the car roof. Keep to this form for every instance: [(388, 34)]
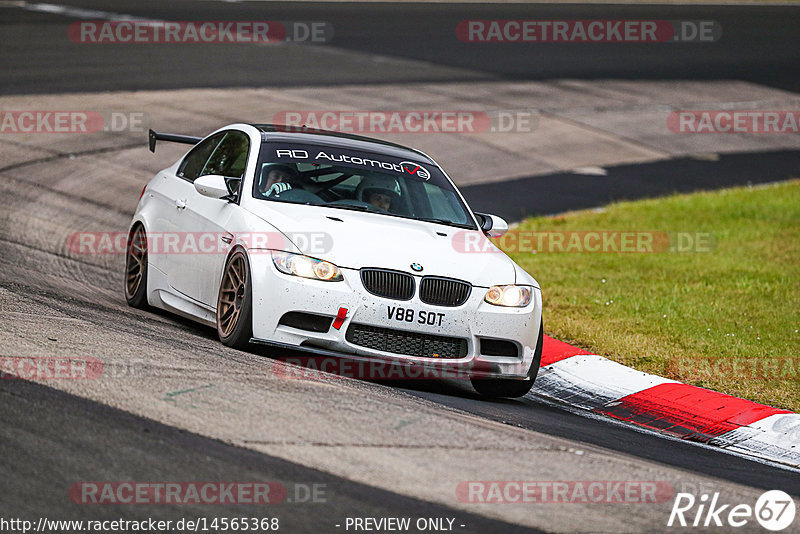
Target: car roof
[(278, 132)]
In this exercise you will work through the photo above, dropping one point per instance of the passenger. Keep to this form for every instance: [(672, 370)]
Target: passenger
[(382, 192)]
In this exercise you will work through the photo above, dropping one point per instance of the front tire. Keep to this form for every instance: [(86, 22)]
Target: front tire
[(235, 303), (136, 268), (510, 389)]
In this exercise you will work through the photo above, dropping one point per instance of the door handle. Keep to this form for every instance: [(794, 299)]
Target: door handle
[(180, 204)]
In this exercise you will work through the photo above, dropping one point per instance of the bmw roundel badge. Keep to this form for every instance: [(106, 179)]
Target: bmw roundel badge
[(416, 266)]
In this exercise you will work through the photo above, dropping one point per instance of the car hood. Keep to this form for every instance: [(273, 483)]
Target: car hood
[(352, 239)]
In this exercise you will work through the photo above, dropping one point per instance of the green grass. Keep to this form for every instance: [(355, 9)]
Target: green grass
[(712, 319)]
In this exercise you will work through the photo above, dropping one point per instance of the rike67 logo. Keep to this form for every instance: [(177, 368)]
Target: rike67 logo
[(774, 510)]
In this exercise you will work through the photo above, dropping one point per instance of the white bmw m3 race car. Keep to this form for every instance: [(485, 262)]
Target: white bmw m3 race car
[(335, 245)]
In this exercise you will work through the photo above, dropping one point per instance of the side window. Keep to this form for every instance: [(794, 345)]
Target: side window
[(230, 157), (196, 159), (444, 204)]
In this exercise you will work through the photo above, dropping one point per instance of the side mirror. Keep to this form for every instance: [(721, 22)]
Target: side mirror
[(212, 185), (492, 225)]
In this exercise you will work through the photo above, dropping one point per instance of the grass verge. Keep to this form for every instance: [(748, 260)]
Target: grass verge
[(724, 315)]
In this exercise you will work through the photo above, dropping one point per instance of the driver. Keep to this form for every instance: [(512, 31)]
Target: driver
[(380, 191), (279, 179)]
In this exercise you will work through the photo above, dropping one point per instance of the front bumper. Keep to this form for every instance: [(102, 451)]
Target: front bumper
[(275, 294)]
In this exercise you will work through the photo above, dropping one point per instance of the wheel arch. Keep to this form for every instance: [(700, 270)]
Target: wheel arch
[(235, 248)]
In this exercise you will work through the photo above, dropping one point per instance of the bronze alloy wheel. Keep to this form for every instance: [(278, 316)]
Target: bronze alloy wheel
[(233, 303), (136, 268)]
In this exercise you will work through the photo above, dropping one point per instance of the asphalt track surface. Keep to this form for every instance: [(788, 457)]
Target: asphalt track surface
[(50, 438), (516, 199), (758, 44), (39, 424)]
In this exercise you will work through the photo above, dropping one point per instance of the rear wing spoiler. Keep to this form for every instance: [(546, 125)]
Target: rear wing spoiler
[(175, 138)]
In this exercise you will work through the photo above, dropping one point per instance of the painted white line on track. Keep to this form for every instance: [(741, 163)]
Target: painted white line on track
[(80, 13), (77, 12)]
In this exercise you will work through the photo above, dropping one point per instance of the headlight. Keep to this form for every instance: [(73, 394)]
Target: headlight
[(299, 265), (511, 296)]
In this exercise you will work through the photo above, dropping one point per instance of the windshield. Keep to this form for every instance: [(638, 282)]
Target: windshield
[(348, 179)]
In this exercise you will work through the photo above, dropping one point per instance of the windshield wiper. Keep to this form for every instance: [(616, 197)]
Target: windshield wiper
[(446, 222), (345, 207)]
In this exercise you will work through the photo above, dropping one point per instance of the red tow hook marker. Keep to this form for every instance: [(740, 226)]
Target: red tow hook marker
[(337, 323)]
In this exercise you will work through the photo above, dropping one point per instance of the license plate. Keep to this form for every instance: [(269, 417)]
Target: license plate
[(410, 315)]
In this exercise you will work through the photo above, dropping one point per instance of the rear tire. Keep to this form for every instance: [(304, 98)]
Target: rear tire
[(507, 388), (235, 303), (136, 268)]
